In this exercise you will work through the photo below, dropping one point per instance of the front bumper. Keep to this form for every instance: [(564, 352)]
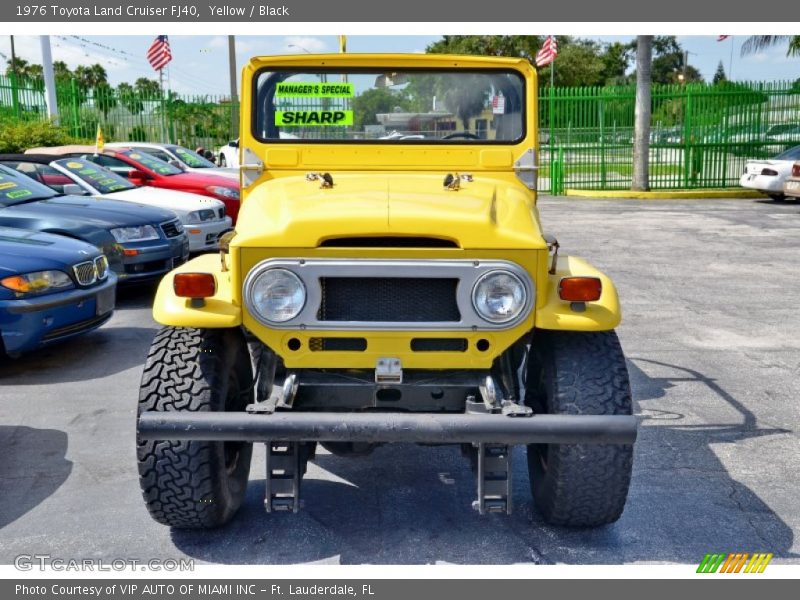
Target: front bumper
[(154, 259), (30, 323), (205, 236), (762, 183), (427, 428)]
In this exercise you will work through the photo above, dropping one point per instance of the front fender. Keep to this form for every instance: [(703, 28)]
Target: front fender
[(219, 311), (602, 315)]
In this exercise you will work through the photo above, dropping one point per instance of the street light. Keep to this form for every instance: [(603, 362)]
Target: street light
[(298, 47)]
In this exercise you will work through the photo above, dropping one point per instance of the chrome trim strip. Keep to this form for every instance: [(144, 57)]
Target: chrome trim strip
[(468, 272)]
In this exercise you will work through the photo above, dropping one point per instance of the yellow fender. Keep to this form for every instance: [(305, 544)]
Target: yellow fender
[(602, 315), (221, 310)]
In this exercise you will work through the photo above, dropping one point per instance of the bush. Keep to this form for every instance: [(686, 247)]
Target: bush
[(18, 137)]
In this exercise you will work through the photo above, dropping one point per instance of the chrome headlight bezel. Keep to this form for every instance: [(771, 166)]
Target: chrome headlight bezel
[(256, 308), (521, 301)]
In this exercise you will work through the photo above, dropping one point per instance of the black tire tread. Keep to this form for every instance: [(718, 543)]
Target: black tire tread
[(188, 370), (585, 485)]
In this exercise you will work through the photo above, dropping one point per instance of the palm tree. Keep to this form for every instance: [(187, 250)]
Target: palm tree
[(756, 43), (641, 133)]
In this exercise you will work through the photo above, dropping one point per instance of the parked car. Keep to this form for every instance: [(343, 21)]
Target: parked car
[(792, 185), (143, 169), (769, 176), (140, 242), (203, 218), (51, 288), (181, 157), (228, 155)]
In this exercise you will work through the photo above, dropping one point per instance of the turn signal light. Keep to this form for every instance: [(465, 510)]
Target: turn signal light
[(580, 289), (194, 285), (796, 170), (130, 252)]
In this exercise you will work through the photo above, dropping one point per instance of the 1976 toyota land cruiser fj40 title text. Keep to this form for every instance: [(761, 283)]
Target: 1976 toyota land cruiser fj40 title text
[(388, 281)]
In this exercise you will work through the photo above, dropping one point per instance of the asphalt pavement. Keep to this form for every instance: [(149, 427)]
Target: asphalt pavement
[(711, 330)]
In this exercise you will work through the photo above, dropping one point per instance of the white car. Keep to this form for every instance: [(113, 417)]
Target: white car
[(769, 176), (181, 157), (203, 218), (228, 155)]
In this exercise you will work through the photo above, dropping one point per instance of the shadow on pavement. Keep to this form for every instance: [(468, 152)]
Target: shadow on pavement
[(33, 466), (411, 505)]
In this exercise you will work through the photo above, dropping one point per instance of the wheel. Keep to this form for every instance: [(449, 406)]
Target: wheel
[(195, 484), (778, 197), (222, 161), (579, 485)]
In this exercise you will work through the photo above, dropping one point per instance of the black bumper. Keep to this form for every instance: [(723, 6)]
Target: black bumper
[(388, 427)]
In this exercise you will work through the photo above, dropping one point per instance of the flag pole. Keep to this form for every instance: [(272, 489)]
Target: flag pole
[(163, 113)]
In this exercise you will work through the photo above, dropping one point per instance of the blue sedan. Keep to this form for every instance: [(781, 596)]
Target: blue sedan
[(51, 288)]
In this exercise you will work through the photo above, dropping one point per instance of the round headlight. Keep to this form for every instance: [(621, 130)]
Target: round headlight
[(499, 296), (277, 295)]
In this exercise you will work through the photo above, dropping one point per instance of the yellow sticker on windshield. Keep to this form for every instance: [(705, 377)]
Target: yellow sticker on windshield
[(135, 156), (327, 118), (74, 165), (7, 184), (315, 90)]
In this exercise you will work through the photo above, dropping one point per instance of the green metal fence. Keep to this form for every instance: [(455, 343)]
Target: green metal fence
[(701, 134)]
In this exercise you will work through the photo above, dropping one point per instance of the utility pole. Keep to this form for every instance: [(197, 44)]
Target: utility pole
[(641, 135), (14, 79), (49, 79), (234, 87)]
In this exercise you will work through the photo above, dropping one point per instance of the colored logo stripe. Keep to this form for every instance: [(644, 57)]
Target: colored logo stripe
[(735, 562)]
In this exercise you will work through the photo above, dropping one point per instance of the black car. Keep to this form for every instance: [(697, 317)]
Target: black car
[(141, 242)]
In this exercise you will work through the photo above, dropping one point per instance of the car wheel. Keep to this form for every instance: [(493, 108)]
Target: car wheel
[(195, 484), (778, 197), (579, 485)]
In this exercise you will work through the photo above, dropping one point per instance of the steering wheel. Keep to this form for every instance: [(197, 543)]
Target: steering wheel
[(461, 134)]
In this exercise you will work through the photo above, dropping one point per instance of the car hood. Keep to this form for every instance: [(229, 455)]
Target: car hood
[(227, 172), (201, 180), (179, 202), (24, 251), (92, 210), (484, 213)]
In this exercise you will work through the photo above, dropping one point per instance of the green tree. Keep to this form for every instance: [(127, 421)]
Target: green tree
[(374, 101), (756, 43), (617, 58), (104, 98), (91, 76), (148, 89), (130, 98), (62, 72), (23, 69), (719, 75)]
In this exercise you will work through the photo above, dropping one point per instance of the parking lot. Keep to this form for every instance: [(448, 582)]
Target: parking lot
[(712, 335)]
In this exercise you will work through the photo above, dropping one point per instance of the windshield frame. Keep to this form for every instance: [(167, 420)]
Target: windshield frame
[(259, 99)]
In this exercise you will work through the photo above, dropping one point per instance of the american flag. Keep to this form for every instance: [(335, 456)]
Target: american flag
[(548, 52), (159, 54)]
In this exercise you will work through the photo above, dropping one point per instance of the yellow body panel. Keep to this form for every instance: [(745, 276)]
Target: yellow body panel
[(386, 190)]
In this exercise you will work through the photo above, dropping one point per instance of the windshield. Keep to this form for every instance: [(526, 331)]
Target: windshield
[(156, 165), (16, 188), (790, 154), (103, 180), (459, 106), (192, 159)]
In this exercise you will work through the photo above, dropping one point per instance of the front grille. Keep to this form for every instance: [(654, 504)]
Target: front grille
[(85, 272), (221, 213), (171, 229), (101, 266), (387, 299)]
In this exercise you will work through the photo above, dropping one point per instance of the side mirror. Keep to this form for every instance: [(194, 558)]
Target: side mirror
[(234, 143), (176, 163), (72, 189)]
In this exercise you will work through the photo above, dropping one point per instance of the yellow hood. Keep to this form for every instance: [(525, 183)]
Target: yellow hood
[(294, 212)]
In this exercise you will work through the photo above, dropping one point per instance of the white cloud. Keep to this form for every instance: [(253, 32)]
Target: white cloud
[(296, 43)]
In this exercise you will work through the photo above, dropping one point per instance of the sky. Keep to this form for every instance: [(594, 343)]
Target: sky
[(200, 63)]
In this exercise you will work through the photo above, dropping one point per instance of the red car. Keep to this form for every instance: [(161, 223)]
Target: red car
[(144, 169)]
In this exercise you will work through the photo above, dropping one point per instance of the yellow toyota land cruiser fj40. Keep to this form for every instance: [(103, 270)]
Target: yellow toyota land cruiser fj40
[(388, 281)]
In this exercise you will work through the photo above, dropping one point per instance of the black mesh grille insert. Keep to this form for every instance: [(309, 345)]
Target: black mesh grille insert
[(375, 299), (439, 345), (170, 229), (337, 344)]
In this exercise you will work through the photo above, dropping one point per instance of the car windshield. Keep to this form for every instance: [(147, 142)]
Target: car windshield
[(192, 159), (16, 188), (151, 163), (790, 154), (433, 106), (103, 180)]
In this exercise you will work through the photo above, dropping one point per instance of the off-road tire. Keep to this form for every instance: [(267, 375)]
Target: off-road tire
[(195, 484), (579, 485)]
